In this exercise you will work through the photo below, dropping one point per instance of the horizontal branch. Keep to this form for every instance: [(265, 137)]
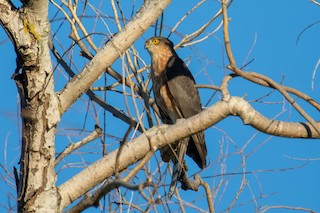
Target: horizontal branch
[(159, 136), (145, 17)]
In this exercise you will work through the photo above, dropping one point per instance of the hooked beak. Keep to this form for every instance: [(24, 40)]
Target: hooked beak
[(147, 44)]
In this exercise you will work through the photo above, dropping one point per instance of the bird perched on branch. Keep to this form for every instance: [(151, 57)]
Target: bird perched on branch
[(176, 97)]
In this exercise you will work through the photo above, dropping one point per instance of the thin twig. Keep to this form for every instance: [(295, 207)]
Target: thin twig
[(74, 146), (185, 16), (267, 208), (314, 73), (207, 189), (271, 83), (122, 143), (243, 183), (182, 209), (93, 200), (91, 94), (73, 11), (206, 86), (139, 166)]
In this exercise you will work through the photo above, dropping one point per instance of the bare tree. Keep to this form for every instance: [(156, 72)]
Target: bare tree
[(80, 66)]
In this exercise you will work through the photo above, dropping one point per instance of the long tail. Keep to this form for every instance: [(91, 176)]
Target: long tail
[(178, 165)]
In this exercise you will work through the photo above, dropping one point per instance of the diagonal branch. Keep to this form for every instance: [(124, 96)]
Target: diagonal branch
[(157, 137), (93, 200), (146, 16), (115, 112), (129, 83), (73, 146), (314, 1)]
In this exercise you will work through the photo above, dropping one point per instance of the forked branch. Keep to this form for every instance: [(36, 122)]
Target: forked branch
[(258, 78), (157, 137)]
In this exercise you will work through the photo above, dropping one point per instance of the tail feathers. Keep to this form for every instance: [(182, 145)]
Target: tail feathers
[(174, 178), (178, 166)]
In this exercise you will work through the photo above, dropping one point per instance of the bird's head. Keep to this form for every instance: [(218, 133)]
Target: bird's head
[(158, 45)]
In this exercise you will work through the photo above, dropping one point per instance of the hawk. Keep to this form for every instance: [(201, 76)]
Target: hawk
[(176, 97)]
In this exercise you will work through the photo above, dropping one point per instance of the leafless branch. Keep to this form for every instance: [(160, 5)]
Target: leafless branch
[(185, 16), (118, 44), (314, 1), (74, 146), (93, 200), (206, 187), (257, 76), (267, 208), (91, 94), (314, 73), (161, 135)]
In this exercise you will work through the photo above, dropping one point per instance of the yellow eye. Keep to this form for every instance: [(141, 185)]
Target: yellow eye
[(155, 41)]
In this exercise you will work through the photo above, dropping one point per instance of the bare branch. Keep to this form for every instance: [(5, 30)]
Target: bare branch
[(157, 137), (122, 143), (243, 184), (73, 9), (185, 16), (88, 200), (299, 109), (74, 146), (42, 107), (226, 34), (182, 209), (93, 200), (267, 208), (195, 34), (269, 81), (147, 15), (314, 73), (314, 1), (207, 86), (91, 94), (206, 187)]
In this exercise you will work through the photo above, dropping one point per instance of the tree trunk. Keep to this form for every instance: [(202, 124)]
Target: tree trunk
[(36, 182)]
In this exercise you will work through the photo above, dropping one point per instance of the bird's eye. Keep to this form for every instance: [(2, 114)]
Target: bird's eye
[(155, 41)]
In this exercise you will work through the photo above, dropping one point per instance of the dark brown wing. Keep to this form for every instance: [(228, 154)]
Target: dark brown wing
[(186, 97), (167, 151)]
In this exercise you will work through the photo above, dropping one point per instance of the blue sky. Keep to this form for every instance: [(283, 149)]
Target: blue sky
[(280, 171)]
